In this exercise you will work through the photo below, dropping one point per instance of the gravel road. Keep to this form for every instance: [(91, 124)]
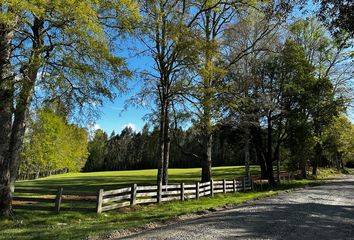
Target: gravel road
[(321, 212)]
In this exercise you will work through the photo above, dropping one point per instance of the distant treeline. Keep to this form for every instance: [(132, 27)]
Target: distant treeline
[(139, 150)]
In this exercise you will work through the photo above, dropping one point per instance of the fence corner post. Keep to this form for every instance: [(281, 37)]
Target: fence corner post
[(159, 192), (224, 186), (212, 187), (133, 194), (58, 199), (182, 191), (234, 185), (99, 201), (197, 190)]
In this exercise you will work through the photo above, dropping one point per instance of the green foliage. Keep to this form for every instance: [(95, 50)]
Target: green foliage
[(338, 140), (54, 145), (75, 58), (337, 15), (97, 150)]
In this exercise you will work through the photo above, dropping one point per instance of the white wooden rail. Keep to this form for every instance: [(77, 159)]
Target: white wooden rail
[(113, 199), (129, 196)]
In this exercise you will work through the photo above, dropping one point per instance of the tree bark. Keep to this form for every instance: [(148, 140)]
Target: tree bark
[(277, 159), (24, 100), (160, 163), (206, 161), (167, 143), (6, 108), (247, 154), (317, 159), (11, 158), (269, 158), (257, 142)]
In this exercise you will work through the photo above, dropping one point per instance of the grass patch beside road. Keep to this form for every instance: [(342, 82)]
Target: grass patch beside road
[(74, 225)]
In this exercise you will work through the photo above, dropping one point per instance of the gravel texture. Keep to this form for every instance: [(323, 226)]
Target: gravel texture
[(321, 212)]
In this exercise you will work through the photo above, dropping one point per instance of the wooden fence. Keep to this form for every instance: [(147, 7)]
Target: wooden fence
[(59, 200), (53, 200), (113, 199)]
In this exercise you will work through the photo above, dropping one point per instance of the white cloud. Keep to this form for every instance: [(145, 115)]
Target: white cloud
[(96, 126), (93, 127), (131, 125)]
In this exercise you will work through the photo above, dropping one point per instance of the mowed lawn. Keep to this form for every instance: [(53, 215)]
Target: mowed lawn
[(89, 182)]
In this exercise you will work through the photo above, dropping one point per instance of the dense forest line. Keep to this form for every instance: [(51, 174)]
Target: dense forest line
[(139, 150)]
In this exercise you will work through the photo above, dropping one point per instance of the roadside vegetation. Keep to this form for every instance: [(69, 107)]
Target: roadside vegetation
[(74, 225)]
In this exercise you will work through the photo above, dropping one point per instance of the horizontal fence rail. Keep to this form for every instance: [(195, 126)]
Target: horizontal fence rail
[(60, 200)]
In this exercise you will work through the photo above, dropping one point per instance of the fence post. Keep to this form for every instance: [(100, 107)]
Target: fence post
[(197, 190), (244, 184), (212, 188), (133, 195), (99, 201), (224, 186), (182, 191), (234, 185), (159, 192), (58, 200)]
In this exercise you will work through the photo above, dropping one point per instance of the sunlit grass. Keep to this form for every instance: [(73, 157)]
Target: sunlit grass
[(117, 179), (75, 225)]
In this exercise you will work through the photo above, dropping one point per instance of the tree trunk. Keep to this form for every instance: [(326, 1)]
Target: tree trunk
[(206, 161), (162, 175), (303, 168), (277, 159), (6, 108), (247, 154), (167, 143), (160, 163), (17, 135), (258, 144), (262, 164), (269, 158), (317, 159), (11, 161)]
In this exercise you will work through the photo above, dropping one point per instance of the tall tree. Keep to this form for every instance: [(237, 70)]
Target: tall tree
[(53, 145), (329, 58), (97, 150), (61, 47), (208, 28), (168, 41)]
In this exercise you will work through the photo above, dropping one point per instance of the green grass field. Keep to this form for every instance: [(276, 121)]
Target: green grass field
[(113, 180), (75, 225)]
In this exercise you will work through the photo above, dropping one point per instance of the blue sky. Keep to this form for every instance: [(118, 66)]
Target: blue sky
[(113, 116)]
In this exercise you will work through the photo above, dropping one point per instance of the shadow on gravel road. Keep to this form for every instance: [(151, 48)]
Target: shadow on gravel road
[(320, 212)]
